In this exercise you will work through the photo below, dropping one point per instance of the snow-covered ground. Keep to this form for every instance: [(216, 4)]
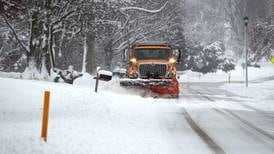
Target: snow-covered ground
[(237, 75), (208, 117), (81, 121), (261, 94)]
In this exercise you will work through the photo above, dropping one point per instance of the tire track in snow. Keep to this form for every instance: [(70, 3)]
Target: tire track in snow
[(247, 123), (261, 112), (202, 134), (253, 133), (206, 138), (206, 97), (249, 128), (263, 132)]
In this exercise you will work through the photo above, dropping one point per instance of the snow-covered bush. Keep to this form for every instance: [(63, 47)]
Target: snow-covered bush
[(68, 75), (209, 58), (227, 65)]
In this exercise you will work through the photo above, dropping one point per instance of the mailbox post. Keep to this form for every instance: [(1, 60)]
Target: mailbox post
[(97, 82)]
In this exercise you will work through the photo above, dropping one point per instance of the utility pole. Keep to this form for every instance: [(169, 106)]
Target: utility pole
[(272, 15), (246, 53)]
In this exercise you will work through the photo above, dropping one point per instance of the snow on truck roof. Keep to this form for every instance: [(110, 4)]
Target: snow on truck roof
[(152, 42)]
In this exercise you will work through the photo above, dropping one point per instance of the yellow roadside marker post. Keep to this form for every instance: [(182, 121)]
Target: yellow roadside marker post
[(272, 59), (45, 116)]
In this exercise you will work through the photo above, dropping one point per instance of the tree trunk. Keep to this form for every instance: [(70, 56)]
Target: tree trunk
[(47, 47), (108, 54), (84, 64), (34, 57), (40, 44), (272, 20), (272, 15), (48, 39), (90, 53)]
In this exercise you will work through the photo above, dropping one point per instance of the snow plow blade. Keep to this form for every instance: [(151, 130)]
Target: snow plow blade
[(172, 90), (145, 82)]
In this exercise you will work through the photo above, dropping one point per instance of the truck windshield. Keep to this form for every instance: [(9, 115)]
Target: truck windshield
[(144, 54)]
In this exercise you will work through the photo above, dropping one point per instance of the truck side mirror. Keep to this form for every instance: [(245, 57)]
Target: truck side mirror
[(179, 56), (177, 53)]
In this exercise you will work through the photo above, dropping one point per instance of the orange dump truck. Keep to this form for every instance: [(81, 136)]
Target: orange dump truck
[(153, 66)]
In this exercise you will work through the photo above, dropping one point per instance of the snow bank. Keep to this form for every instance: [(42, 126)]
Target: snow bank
[(14, 75), (260, 93), (81, 121), (27, 74), (85, 81), (237, 75)]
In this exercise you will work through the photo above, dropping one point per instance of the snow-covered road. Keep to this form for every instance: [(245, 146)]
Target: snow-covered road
[(231, 125), (205, 119)]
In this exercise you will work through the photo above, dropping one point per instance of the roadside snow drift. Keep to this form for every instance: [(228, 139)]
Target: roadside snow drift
[(121, 121), (114, 120)]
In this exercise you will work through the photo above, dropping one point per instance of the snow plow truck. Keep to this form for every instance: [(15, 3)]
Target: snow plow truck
[(153, 66)]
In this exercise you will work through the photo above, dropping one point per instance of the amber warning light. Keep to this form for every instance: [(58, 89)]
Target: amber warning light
[(172, 60)]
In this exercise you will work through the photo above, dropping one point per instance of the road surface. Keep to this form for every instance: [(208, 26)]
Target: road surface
[(221, 121)]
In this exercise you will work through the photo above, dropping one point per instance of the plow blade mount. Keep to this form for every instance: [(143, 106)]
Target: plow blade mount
[(145, 82)]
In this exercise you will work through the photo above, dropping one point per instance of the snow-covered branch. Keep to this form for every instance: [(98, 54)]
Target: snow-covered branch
[(143, 9), (14, 33)]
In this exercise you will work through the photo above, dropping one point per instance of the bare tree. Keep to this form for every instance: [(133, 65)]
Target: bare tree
[(46, 20)]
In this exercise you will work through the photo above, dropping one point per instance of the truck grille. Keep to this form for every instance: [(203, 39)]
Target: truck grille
[(152, 70)]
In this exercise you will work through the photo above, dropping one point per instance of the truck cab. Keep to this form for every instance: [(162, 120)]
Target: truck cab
[(153, 66), (152, 61)]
